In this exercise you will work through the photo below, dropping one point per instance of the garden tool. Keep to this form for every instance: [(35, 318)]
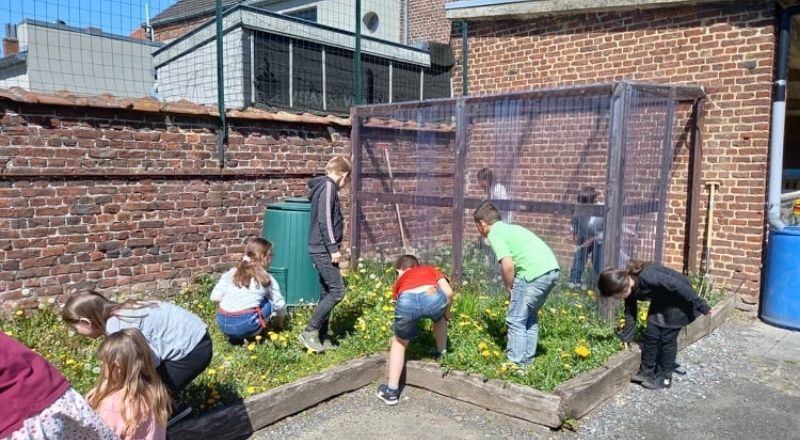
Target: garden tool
[(712, 187), (403, 238)]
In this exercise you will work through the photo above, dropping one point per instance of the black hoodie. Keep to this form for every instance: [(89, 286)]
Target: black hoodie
[(327, 224)]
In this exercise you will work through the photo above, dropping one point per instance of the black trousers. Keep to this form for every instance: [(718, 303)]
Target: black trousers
[(177, 374), (332, 292), (659, 350)]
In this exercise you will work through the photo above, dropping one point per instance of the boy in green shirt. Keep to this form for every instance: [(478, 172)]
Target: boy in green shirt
[(529, 270)]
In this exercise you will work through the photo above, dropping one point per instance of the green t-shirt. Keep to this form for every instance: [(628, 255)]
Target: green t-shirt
[(531, 255)]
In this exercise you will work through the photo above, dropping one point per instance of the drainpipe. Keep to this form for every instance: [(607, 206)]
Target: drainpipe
[(222, 136), (779, 120), (464, 57), (405, 22)]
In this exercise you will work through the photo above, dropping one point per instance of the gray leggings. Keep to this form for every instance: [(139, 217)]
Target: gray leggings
[(332, 292)]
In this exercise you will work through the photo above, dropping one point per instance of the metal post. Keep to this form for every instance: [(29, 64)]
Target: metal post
[(691, 258), (355, 188), (222, 135), (357, 57)]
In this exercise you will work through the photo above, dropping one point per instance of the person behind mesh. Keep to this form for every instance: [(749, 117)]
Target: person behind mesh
[(421, 292), (494, 190), (673, 305), (325, 235), (249, 297), (587, 231)]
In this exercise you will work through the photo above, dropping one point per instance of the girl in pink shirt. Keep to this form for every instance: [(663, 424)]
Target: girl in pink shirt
[(129, 395)]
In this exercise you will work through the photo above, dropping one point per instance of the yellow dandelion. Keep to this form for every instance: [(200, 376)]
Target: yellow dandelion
[(503, 368), (211, 371), (496, 353), (70, 361), (273, 336), (581, 318), (263, 377), (252, 357), (10, 333), (258, 337), (486, 353), (583, 351), (20, 312), (386, 308), (251, 390), (483, 346), (251, 346), (507, 302), (310, 351)]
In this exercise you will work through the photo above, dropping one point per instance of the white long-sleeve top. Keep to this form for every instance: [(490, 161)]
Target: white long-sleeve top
[(232, 298)]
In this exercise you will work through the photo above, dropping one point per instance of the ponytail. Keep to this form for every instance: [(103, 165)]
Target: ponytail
[(250, 268)]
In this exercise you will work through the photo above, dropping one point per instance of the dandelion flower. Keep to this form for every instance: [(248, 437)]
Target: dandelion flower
[(258, 337), (251, 390), (567, 366), (251, 346), (581, 318), (273, 336), (70, 361), (20, 312), (483, 346), (486, 353), (211, 371), (583, 351)]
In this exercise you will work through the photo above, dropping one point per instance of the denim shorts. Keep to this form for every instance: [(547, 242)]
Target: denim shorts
[(412, 307), (244, 325)]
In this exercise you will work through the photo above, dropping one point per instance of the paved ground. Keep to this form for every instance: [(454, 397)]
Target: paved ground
[(743, 383)]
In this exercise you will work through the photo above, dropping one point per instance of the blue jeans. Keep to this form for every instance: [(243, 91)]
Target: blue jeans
[(527, 297), (246, 324), (412, 307), (579, 263)]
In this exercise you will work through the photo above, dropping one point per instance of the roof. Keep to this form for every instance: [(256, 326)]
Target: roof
[(187, 9), (13, 60)]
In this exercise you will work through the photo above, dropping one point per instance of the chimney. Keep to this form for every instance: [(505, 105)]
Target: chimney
[(10, 42)]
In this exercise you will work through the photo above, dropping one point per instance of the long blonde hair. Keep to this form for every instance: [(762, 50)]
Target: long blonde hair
[(250, 268), (96, 308), (127, 367)]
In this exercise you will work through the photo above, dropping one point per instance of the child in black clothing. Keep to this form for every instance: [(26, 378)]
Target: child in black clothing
[(673, 305)]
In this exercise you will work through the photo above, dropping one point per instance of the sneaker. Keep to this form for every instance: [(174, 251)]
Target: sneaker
[(327, 343), (639, 377), (389, 397), (679, 370), (182, 409), (571, 285), (657, 383), (310, 340)]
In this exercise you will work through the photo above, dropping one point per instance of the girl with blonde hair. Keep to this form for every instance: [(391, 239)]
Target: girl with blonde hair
[(129, 395), (248, 296)]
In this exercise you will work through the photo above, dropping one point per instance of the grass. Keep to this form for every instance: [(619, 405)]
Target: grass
[(573, 339)]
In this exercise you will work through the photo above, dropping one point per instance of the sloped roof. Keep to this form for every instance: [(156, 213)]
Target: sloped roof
[(185, 9)]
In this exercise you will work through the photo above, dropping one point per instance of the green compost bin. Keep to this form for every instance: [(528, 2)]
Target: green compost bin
[(286, 225)]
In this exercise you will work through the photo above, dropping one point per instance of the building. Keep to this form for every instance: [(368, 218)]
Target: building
[(51, 57)]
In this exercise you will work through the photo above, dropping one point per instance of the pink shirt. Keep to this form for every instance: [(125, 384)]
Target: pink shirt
[(110, 410)]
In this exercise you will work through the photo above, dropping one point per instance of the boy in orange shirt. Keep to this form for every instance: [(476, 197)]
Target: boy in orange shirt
[(420, 292)]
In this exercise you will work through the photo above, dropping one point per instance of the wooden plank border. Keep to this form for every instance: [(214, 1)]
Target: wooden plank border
[(572, 399)]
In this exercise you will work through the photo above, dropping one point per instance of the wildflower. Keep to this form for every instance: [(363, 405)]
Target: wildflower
[(258, 337), (579, 306), (503, 368), (251, 390), (251, 346), (211, 371), (581, 317), (496, 353), (362, 270), (10, 333), (20, 312), (372, 276), (272, 336), (70, 361), (567, 366), (486, 353), (583, 351), (483, 346), (263, 377), (507, 302)]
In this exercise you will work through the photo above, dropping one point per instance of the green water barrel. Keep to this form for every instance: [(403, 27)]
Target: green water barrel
[(286, 226)]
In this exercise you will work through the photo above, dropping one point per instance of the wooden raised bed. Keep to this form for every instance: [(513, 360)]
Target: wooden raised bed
[(572, 399)]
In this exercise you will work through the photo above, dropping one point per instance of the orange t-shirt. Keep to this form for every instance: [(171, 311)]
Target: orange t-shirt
[(416, 277)]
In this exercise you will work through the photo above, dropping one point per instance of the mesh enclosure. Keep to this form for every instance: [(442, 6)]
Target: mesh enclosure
[(586, 168)]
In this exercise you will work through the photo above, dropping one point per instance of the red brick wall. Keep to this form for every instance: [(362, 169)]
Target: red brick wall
[(426, 21), (727, 48), (125, 200)]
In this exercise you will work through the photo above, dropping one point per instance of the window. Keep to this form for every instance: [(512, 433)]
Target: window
[(309, 14)]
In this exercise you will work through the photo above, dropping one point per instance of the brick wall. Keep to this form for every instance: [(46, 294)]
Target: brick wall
[(426, 21), (126, 200), (178, 29), (727, 48)]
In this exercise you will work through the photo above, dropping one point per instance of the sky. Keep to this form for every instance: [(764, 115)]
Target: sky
[(114, 16)]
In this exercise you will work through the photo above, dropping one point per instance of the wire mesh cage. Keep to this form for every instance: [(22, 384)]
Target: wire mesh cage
[(588, 168)]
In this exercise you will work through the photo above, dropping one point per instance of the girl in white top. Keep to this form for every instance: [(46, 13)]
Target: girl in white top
[(248, 296)]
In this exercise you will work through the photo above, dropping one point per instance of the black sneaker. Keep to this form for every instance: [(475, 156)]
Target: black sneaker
[(389, 397), (679, 370), (182, 409), (639, 377), (657, 383)]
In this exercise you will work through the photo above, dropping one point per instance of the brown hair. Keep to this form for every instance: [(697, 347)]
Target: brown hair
[(95, 307), (485, 175), (406, 262), (587, 194), (614, 281), (250, 267), (487, 213), (339, 165), (127, 368)]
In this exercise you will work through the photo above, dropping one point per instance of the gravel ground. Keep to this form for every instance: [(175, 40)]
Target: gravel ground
[(737, 388)]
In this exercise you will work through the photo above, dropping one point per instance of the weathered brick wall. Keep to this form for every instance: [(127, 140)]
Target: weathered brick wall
[(727, 48), (118, 199), (426, 21)]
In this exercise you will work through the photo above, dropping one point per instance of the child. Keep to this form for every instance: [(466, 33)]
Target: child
[(178, 339), (129, 395), (529, 270), (248, 296), (588, 233), (420, 292), (673, 305), (324, 238), (38, 402), (494, 190)]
